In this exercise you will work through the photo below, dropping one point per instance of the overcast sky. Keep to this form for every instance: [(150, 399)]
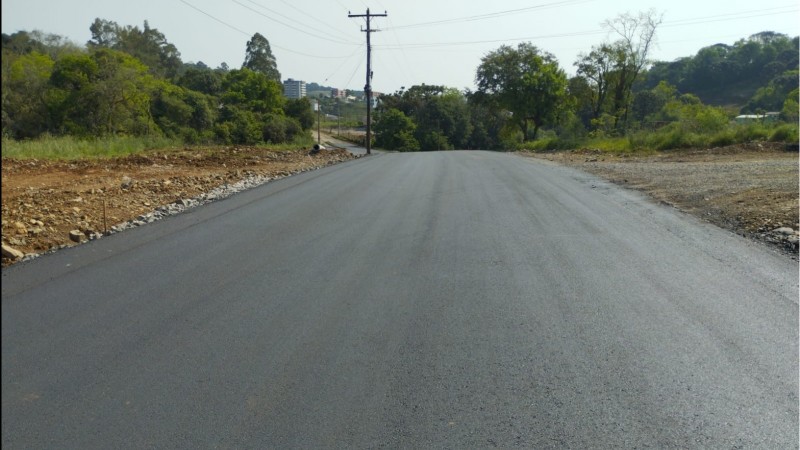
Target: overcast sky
[(421, 41)]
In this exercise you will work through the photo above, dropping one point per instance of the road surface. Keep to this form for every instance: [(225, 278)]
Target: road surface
[(429, 300)]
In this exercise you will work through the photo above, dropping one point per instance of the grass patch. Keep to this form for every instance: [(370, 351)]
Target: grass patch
[(72, 148), (69, 148)]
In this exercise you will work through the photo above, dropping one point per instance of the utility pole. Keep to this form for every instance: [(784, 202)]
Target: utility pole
[(368, 86)]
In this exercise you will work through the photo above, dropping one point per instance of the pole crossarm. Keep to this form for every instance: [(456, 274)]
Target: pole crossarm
[(368, 86)]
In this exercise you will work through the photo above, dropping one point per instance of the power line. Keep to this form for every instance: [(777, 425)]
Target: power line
[(683, 22), (315, 19), (343, 64), (407, 67), (358, 66), (287, 25), (249, 35), (491, 15), (218, 20), (733, 16)]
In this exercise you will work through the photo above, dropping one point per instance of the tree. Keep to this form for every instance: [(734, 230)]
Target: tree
[(649, 102), (584, 98), (105, 92), (443, 121), (441, 115), (182, 112), (636, 37), (25, 89), (791, 110), (488, 122), (300, 109), (207, 81), (259, 58), (148, 45), (395, 131), (596, 68), (252, 91), (526, 82), (21, 43), (773, 96)]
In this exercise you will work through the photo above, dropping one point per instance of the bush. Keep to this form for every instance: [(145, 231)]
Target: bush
[(751, 132), (785, 133), (279, 129), (723, 138), (274, 130), (672, 136)]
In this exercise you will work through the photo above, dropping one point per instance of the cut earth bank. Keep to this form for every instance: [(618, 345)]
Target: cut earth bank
[(49, 205)]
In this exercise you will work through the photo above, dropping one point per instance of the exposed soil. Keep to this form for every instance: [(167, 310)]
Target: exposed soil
[(47, 205), (750, 189)]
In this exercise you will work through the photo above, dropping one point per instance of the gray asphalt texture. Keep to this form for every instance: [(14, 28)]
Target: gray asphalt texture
[(429, 300)]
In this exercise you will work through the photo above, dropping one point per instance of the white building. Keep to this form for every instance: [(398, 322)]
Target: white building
[(294, 88)]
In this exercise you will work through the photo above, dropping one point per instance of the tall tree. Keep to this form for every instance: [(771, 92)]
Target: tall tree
[(631, 51), (259, 58), (596, 68), (525, 81), (148, 45)]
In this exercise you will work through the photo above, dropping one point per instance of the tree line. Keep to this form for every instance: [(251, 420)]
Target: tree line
[(616, 92), (131, 81)]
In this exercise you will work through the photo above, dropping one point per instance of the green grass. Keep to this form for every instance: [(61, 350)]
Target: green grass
[(671, 137), (72, 148), (69, 148)]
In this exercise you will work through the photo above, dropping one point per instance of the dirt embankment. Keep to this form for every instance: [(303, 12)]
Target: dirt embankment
[(750, 189), (47, 205)]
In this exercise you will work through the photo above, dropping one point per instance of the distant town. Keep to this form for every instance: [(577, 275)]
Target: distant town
[(298, 89)]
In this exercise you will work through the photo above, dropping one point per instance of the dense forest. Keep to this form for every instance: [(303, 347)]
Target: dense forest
[(129, 80)]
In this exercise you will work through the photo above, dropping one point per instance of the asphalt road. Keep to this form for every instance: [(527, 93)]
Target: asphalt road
[(431, 300)]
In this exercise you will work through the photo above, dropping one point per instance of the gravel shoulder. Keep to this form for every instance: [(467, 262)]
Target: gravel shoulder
[(751, 190)]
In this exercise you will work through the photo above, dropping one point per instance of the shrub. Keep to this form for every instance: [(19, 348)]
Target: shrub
[(274, 130), (751, 132), (785, 133), (723, 138)]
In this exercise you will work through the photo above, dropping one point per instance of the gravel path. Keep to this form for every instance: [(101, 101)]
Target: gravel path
[(750, 190)]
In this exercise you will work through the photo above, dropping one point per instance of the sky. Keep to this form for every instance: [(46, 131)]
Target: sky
[(419, 41)]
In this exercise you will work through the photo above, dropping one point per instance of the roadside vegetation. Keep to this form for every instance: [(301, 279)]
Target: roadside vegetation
[(618, 102), (127, 90)]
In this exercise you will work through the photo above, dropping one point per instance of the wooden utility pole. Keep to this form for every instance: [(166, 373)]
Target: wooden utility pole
[(368, 86)]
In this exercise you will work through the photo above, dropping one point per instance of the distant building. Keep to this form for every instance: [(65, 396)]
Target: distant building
[(294, 88), (376, 98), (338, 93), (767, 117)]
